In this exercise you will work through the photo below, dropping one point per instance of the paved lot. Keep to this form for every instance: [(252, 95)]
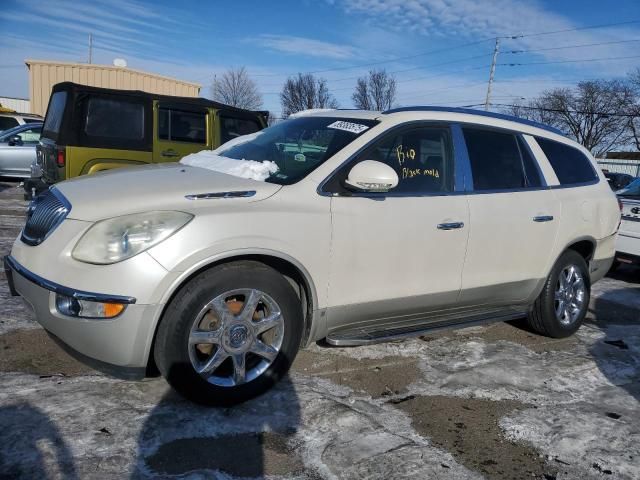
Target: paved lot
[(487, 402)]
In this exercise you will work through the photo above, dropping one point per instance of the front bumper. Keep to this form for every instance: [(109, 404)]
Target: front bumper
[(118, 346)]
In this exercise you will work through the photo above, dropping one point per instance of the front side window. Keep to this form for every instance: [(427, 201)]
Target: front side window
[(182, 126), (53, 119), (495, 159), (233, 127), (422, 157), (631, 190), (114, 118), (570, 164), (297, 146)]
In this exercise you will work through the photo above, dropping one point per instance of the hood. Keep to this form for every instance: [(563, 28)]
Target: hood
[(156, 187)]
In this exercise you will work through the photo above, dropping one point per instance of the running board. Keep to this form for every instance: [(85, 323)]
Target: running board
[(372, 334)]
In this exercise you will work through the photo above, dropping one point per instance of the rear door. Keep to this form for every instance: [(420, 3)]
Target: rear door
[(514, 220), (180, 129)]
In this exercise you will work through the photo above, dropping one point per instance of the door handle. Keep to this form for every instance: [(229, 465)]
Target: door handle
[(450, 226), (169, 153), (543, 218)]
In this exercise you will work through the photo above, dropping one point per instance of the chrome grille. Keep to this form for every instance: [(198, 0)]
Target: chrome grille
[(45, 213)]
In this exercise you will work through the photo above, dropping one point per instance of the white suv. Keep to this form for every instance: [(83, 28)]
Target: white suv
[(369, 227)]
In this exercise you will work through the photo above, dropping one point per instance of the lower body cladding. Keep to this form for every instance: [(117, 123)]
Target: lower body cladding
[(118, 346)]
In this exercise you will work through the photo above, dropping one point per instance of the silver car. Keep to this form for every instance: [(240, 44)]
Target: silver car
[(18, 149)]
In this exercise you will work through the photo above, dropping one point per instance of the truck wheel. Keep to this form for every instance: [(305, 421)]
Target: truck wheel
[(562, 305), (229, 334)]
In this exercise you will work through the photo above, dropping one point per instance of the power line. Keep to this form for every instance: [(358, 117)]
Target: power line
[(442, 50), (589, 27), (391, 60), (558, 110), (605, 59), (573, 46), (409, 70)]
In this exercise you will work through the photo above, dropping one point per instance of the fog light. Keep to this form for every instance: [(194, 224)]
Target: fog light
[(73, 307)]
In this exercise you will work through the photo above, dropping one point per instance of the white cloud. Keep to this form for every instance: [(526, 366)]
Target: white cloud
[(305, 46), (466, 20)]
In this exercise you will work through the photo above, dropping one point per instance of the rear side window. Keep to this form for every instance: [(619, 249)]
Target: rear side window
[(32, 120), (55, 112), (7, 122), (495, 160), (182, 126), (114, 118), (570, 164), (233, 127)]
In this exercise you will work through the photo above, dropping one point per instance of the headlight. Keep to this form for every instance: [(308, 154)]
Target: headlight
[(119, 238)]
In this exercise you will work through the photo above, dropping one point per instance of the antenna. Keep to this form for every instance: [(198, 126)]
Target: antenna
[(90, 47)]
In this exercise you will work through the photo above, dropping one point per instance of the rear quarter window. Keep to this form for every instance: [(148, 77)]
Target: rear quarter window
[(114, 118), (570, 164)]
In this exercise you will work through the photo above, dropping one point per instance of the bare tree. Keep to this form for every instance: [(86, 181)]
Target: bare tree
[(634, 120), (304, 92), (594, 113), (375, 92), (234, 87)]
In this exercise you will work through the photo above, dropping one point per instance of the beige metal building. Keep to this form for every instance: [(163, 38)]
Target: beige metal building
[(43, 75)]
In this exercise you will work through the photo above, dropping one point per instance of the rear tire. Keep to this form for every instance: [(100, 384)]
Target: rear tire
[(563, 303), (240, 324)]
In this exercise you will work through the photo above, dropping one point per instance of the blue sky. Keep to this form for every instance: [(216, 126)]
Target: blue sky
[(341, 40)]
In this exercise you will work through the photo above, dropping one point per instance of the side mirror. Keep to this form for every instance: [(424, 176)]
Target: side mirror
[(372, 176), (15, 140)]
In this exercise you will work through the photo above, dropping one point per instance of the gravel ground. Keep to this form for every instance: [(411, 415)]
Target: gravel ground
[(494, 402)]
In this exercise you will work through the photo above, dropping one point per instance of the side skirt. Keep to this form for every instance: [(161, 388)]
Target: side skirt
[(388, 331)]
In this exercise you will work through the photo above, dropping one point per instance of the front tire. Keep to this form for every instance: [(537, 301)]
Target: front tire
[(563, 303), (229, 334)]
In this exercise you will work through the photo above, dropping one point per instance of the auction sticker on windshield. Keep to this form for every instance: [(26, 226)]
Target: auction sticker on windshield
[(348, 126)]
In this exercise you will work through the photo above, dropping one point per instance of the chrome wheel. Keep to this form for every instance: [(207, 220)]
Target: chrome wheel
[(236, 337), (570, 295)]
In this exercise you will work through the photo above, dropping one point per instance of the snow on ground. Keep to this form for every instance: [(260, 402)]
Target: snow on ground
[(95, 427), (250, 169), (577, 396)]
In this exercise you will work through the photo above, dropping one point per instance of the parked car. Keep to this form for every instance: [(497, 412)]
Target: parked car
[(10, 119), (628, 243), (18, 149), (374, 226), (89, 129), (618, 181)]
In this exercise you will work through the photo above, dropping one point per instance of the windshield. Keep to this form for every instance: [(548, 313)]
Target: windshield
[(297, 146), (631, 190)]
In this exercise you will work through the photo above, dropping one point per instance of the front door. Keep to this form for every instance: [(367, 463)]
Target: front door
[(179, 130), (399, 254), (514, 220)]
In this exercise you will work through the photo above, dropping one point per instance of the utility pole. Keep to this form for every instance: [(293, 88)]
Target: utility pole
[(90, 47), (487, 101)]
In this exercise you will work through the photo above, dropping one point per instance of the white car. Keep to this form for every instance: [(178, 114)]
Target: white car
[(370, 226), (628, 244)]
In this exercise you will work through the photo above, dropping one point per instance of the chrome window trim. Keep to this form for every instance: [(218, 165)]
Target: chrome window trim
[(67, 291)]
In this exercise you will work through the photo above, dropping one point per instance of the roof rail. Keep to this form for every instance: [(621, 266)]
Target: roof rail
[(472, 111)]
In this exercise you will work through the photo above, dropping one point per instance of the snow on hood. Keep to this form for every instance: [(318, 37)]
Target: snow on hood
[(250, 169)]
